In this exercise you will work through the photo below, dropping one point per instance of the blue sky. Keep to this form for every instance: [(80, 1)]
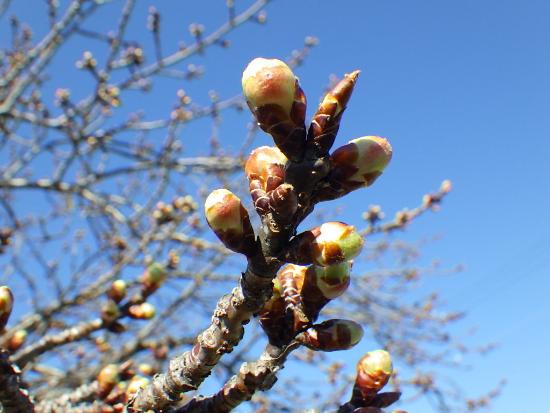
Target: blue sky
[(461, 89)]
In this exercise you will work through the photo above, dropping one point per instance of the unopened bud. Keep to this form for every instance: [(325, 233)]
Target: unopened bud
[(107, 379), (146, 369), (6, 305), (333, 335), (373, 372), (360, 162), (229, 220), (154, 276), (326, 121), (17, 340), (333, 280), (117, 291), (110, 311), (136, 383), (269, 82), (143, 311), (283, 202), (266, 164), (328, 244)]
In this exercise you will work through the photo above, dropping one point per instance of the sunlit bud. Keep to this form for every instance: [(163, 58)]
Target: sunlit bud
[(330, 243), (110, 311), (360, 162), (6, 305), (107, 379), (326, 121), (146, 369), (331, 281), (373, 371), (333, 335), (229, 220), (269, 82), (266, 164), (117, 291), (154, 276), (17, 340), (136, 383), (143, 311)]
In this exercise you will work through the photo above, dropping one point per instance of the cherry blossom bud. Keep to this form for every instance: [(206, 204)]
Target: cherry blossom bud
[(117, 291), (110, 312), (135, 384), (330, 243), (326, 121), (373, 372), (17, 340), (143, 311), (283, 202), (6, 305), (278, 102), (333, 280), (333, 335), (153, 277), (266, 164), (269, 82), (107, 379), (230, 222), (359, 162)]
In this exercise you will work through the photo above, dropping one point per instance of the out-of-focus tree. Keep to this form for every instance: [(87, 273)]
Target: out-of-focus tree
[(114, 273)]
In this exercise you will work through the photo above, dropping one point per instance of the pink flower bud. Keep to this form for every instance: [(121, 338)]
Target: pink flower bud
[(143, 311), (117, 291)]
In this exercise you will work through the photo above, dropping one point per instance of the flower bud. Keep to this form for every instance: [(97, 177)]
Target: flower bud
[(332, 281), (266, 164), (333, 335), (107, 379), (330, 243), (17, 340), (110, 312), (373, 372), (154, 276), (136, 383), (326, 121), (143, 311), (117, 291), (269, 82), (6, 305), (230, 222), (360, 162), (278, 102)]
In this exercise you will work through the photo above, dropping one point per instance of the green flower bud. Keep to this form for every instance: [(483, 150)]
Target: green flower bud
[(373, 371), (328, 244), (333, 280), (229, 220), (6, 305), (153, 277), (333, 335), (269, 82), (110, 312)]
